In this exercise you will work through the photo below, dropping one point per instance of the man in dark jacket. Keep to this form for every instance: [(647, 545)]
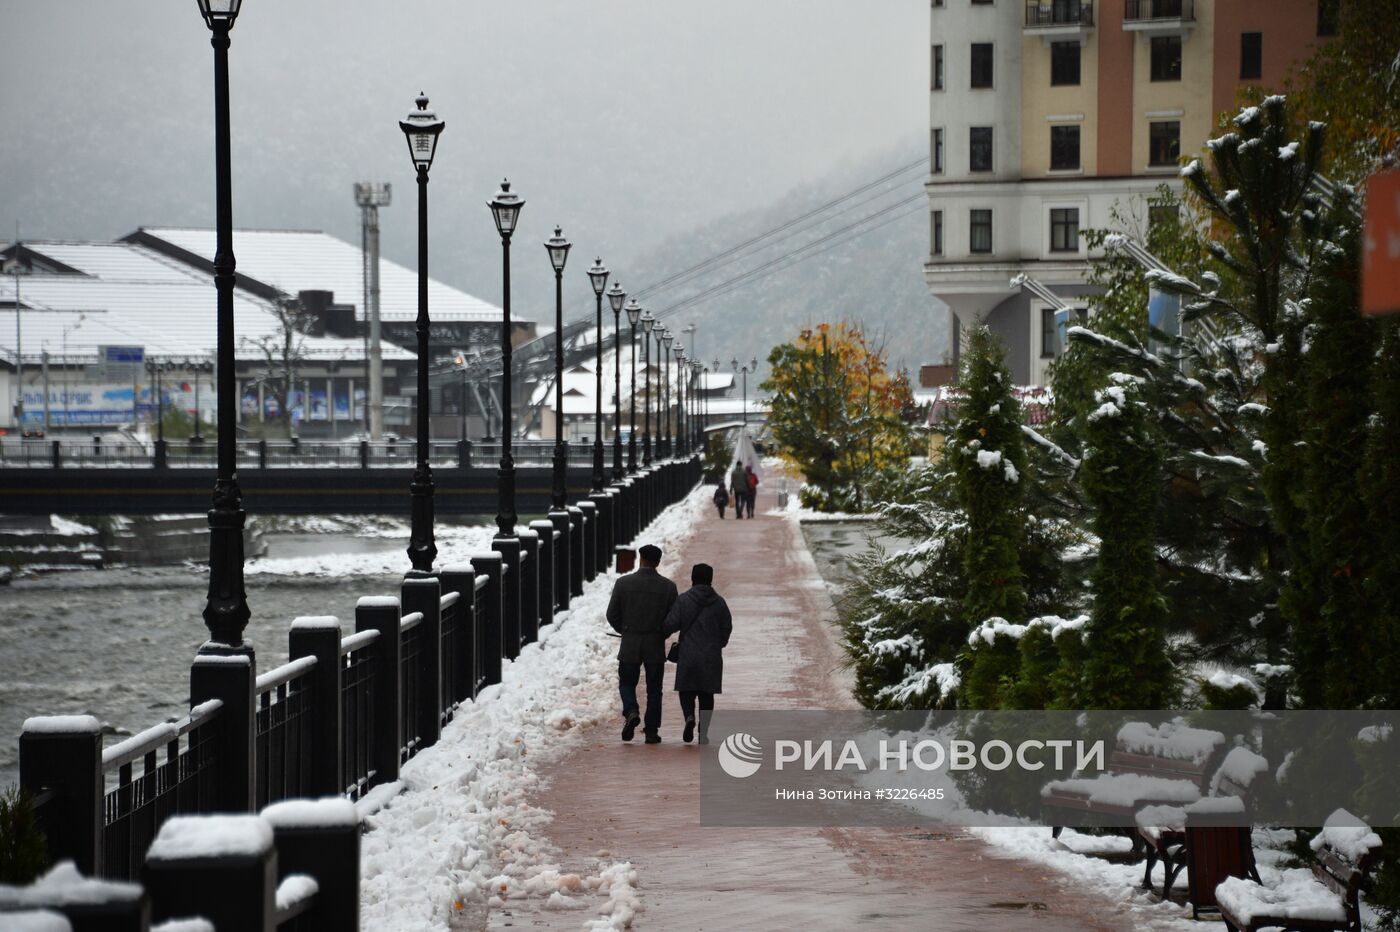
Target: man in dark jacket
[(639, 604), (703, 620)]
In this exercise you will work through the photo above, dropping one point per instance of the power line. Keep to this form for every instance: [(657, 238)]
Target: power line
[(721, 257), (796, 255)]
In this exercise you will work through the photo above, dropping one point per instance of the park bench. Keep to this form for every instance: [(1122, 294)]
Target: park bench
[(1324, 896), (1166, 765), (1210, 836)]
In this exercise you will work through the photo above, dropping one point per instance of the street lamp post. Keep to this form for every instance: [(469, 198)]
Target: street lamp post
[(743, 372), (505, 208), (666, 339), (226, 610), (558, 248), (634, 315), (648, 322), (422, 129), (598, 276), (615, 298), (681, 370)]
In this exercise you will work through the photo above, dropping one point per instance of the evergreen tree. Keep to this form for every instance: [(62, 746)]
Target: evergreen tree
[(989, 460), (1381, 489), (1126, 665)]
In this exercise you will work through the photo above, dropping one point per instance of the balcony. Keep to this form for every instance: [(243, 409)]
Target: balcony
[(1060, 18), (1163, 17)]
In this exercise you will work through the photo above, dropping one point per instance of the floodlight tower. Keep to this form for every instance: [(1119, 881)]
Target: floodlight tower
[(372, 195)]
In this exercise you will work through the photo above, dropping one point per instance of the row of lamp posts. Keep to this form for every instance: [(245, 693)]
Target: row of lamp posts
[(226, 611)]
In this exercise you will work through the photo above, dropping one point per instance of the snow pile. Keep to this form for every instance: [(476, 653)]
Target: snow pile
[(1173, 740), (455, 545), (295, 888), (211, 836), (462, 835), (1125, 790), (1240, 767), (1297, 895), (1347, 835), (63, 886)]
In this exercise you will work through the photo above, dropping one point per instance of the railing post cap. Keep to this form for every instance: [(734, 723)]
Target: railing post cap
[(316, 623), (62, 725), (487, 555), (575, 510), (530, 534), (378, 601), (200, 837), (417, 581), (542, 525), (330, 812), (203, 659), (587, 505)]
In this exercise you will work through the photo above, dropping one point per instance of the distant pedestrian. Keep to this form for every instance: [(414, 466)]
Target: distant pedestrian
[(752, 483), (638, 608), (739, 487), (702, 618), (721, 499)]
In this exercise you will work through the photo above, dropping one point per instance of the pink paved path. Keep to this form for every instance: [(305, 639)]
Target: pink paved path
[(641, 803)]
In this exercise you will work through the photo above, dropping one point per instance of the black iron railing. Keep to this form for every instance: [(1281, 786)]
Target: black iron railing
[(411, 648), (357, 712), (283, 732), (136, 805), (1141, 10), (1059, 13)]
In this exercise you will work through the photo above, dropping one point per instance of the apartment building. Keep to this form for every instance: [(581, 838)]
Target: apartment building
[(1045, 115)]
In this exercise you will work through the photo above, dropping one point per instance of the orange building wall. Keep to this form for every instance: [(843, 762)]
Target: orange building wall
[(1115, 149), (1290, 34)]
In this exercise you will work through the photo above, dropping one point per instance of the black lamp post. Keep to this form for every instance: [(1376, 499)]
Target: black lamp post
[(558, 248), (666, 340), (505, 208), (226, 608), (422, 128), (634, 315), (695, 396), (681, 370), (648, 322), (743, 372), (598, 276), (615, 297)]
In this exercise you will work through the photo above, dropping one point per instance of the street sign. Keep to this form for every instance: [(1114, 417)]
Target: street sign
[(120, 363), (1380, 253)]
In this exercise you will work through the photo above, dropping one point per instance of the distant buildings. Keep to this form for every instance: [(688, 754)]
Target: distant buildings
[(1045, 114), (83, 307)]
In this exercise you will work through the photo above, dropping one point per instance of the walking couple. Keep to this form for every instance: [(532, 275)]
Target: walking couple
[(645, 610), (743, 482)]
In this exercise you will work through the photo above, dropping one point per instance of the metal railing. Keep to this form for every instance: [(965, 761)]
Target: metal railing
[(282, 732), (1059, 13), (134, 809), (357, 712), (1143, 10)]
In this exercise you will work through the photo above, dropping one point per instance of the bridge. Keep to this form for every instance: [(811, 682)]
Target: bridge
[(278, 477)]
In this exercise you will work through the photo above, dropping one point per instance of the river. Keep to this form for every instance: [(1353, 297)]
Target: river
[(117, 643)]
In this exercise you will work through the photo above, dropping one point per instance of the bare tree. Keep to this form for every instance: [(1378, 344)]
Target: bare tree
[(283, 351)]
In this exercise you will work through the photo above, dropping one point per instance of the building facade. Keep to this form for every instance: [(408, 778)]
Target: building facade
[(1049, 117)]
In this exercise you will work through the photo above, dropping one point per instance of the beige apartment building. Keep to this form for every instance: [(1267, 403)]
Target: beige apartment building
[(1047, 115)]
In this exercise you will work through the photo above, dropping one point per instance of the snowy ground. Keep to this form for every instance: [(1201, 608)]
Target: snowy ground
[(462, 838), (455, 544)]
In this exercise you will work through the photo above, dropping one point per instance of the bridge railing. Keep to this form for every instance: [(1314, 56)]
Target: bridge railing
[(346, 710), (58, 453)]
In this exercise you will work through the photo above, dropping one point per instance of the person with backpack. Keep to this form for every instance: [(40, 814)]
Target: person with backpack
[(751, 483), (721, 499), (739, 487)]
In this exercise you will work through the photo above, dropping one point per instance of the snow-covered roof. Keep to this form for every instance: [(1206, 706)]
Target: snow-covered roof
[(309, 260), (716, 381), (128, 295)]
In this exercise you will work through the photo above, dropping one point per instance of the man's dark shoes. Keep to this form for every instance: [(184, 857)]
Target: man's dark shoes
[(629, 727), (653, 738), (689, 730), (704, 738)]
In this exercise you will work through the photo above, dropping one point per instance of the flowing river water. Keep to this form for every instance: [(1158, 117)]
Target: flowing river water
[(117, 644)]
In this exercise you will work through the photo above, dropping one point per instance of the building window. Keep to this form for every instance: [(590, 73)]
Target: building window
[(1064, 63), (979, 149), (979, 231), (1327, 17), (1064, 148), (1163, 143), (938, 151), (1251, 55), (1166, 58), (981, 64), (937, 4), (1048, 328), (1064, 229), (938, 67), (936, 232)]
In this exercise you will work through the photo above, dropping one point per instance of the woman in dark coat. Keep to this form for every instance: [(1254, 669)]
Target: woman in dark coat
[(703, 620)]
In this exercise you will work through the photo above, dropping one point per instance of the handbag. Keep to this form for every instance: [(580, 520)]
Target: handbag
[(674, 654)]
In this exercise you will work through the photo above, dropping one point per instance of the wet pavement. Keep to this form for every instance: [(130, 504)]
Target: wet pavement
[(614, 801)]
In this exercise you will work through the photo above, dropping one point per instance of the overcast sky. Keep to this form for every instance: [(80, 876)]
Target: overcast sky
[(624, 120)]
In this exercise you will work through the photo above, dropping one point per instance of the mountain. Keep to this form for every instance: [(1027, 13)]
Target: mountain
[(862, 259)]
